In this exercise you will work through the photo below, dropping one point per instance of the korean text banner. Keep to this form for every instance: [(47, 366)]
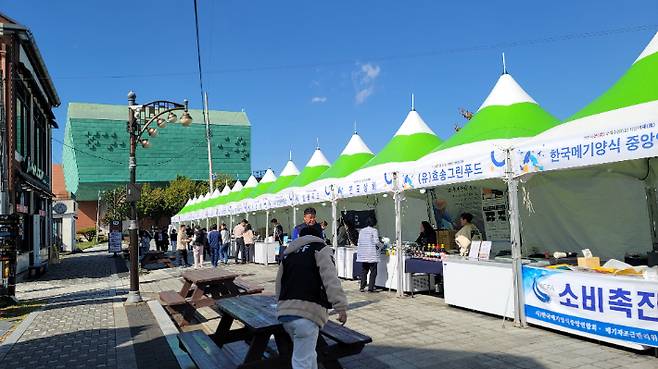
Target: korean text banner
[(618, 135), (614, 307)]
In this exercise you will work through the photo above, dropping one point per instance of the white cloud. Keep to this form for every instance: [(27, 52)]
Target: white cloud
[(319, 99), (364, 81)]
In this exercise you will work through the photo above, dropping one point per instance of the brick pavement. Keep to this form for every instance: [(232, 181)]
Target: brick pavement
[(424, 332), (84, 323)]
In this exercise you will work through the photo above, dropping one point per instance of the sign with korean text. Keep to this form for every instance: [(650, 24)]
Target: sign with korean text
[(613, 307), (115, 237)]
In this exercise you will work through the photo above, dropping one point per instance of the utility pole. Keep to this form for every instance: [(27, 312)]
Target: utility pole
[(206, 117)]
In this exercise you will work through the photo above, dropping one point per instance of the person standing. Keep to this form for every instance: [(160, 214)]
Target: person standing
[(307, 285), (215, 241), (238, 232), (277, 231), (249, 244), (161, 239), (173, 238), (310, 220), (427, 234), (197, 246), (226, 244), (367, 253), (181, 246)]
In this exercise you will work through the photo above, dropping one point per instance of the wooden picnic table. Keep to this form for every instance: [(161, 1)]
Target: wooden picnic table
[(214, 283), (258, 315)]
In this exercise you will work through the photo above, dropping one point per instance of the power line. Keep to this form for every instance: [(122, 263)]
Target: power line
[(394, 57)]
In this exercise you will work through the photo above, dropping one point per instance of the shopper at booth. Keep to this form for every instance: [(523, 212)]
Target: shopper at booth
[(307, 285), (173, 237), (215, 241), (238, 232), (427, 234), (226, 244), (249, 244), (367, 253), (181, 246), (277, 231)]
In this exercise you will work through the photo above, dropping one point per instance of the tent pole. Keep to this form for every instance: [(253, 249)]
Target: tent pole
[(294, 218), (397, 197), (515, 240), (334, 223), (267, 225)]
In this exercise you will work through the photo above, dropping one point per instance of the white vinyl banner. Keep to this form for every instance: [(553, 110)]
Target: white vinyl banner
[(610, 307), (618, 135)]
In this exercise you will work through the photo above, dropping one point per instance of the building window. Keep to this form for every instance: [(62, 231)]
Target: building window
[(19, 127), (40, 149)]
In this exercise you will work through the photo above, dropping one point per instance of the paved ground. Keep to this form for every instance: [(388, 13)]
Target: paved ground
[(423, 332), (85, 325)]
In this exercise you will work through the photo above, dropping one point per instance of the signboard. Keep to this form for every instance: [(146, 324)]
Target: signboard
[(617, 309), (495, 215), (115, 237), (133, 192)]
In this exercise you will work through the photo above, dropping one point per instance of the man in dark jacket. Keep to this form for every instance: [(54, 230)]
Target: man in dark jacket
[(306, 286), (310, 220)]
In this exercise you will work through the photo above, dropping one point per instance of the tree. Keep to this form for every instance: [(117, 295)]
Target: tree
[(116, 206), (151, 203), (178, 192)]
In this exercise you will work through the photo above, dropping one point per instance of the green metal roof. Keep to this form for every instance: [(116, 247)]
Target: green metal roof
[(96, 148)]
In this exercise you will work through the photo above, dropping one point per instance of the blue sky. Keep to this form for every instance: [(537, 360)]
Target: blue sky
[(306, 69)]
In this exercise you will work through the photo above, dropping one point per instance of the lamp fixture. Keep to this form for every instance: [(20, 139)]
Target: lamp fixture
[(171, 118), (161, 123), (145, 143), (186, 119), (152, 132)]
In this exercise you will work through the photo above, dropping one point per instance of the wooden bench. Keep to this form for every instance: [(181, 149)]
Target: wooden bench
[(204, 352), (337, 341), (247, 288), (181, 310)]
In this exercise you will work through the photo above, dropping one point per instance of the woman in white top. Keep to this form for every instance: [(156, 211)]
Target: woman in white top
[(367, 253), (466, 233)]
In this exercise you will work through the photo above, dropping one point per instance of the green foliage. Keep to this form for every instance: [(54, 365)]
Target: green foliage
[(116, 206), (88, 232)]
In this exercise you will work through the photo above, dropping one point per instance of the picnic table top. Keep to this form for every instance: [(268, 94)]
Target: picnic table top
[(257, 312), (207, 275)]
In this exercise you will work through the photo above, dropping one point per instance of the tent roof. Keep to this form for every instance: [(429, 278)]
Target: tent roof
[(636, 86), (265, 182), (287, 175), (413, 140), (316, 165), (508, 112), (354, 155)]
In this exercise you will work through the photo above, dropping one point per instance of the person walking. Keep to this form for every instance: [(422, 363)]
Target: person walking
[(226, 244), (238, 232), (215, 241), (197, 246), (181, 246), (249, 244), (173, 238), (307, 285), (367, 253)]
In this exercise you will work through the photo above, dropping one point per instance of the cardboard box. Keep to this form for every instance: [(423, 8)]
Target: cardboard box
[(593, 262), (447, 238)]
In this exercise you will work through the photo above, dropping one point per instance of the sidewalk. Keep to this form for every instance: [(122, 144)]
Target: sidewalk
[(84, 323)]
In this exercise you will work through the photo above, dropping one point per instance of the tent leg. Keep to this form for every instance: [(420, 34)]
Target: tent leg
[(515, 240), (334, 223), (294, 218), (398, 242), (267, 225)]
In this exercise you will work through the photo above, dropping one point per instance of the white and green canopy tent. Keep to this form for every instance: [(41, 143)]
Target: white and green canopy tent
[(413, 140), (253, 204), (355, 154), (225, 208), (315, 167), (478, 150), (596, 170)]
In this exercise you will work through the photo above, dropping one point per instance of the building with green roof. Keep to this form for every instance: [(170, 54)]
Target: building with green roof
[(96, 144)]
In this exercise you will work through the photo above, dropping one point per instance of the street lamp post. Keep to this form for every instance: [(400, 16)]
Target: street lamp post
[(140, 118)]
